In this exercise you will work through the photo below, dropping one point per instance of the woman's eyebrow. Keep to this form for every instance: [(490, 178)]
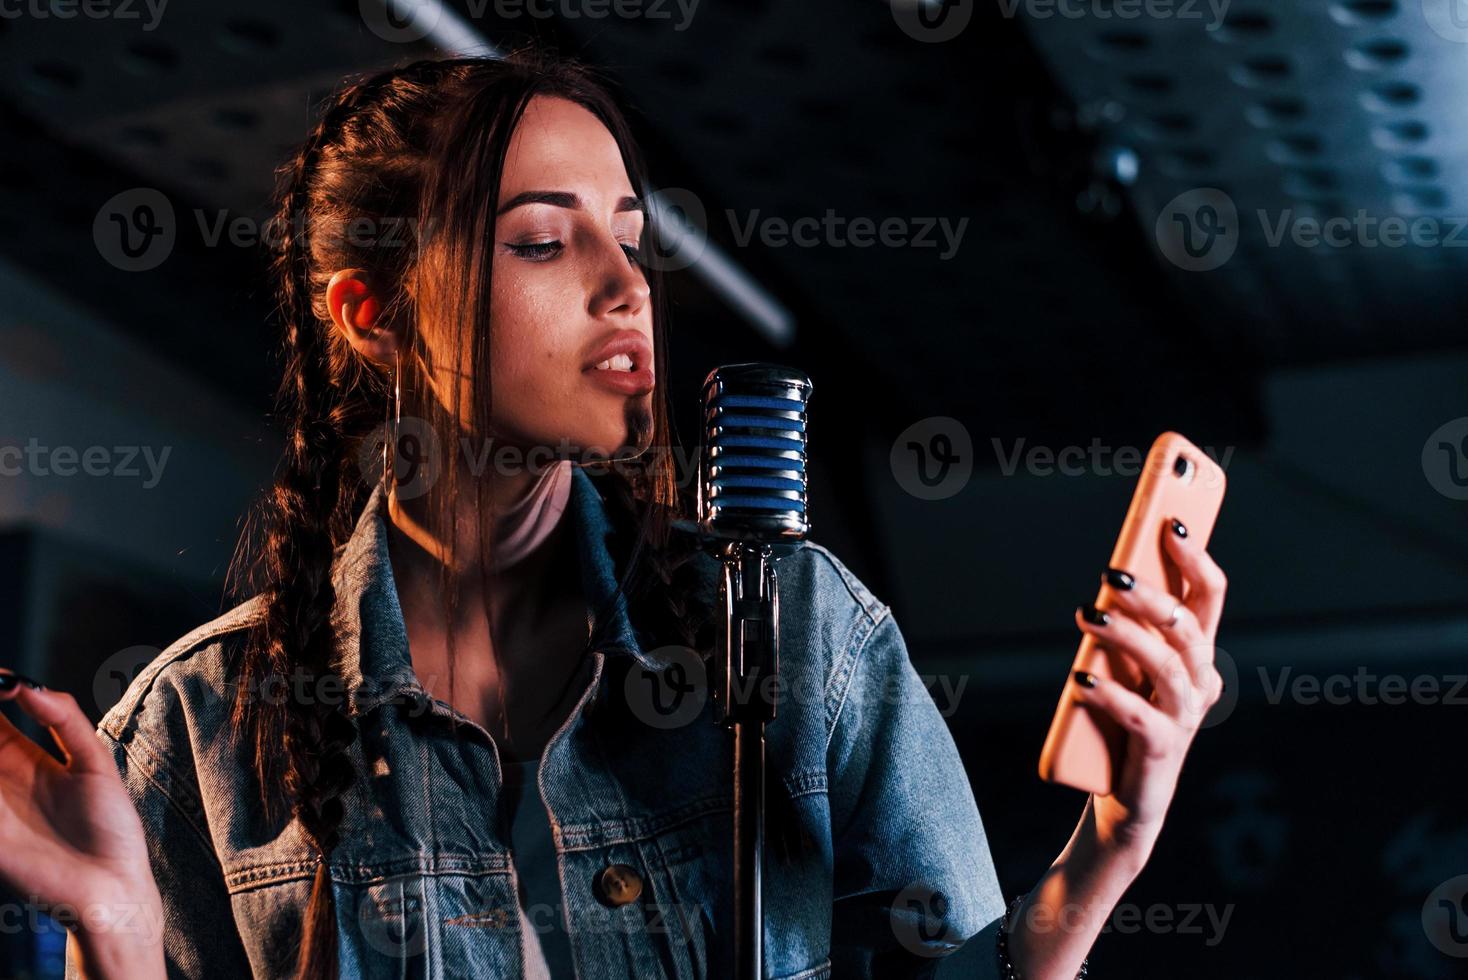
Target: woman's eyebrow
[(564, 199)]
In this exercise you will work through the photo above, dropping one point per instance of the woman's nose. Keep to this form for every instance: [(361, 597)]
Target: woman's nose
[(622, 286)]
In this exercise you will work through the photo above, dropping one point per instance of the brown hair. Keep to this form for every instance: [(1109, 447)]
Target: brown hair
[(425, 141)]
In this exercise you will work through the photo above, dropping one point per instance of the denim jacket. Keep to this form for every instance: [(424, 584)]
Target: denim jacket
[(639, 797)]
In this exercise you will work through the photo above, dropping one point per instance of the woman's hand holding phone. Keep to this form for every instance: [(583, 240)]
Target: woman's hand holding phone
[(1177, 659), (1144, 680), (71, 842)]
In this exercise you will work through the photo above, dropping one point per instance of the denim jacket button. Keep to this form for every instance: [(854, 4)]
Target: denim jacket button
[(618, 884)]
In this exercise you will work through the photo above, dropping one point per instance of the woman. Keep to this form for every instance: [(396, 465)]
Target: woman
[(299, 796)]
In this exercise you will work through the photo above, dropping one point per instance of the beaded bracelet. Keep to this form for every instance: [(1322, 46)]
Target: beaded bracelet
[(1006, 967)]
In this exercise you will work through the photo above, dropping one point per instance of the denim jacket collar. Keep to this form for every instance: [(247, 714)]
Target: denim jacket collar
[(376, 666)]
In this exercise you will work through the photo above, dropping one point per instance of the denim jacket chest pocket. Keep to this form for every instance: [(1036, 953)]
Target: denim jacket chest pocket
[(422, 882)]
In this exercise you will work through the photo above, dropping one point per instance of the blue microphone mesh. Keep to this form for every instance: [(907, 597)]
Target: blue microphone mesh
[(753, 482)]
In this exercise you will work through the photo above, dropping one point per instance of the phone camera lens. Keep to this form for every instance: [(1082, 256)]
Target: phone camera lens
[(1182, 468)]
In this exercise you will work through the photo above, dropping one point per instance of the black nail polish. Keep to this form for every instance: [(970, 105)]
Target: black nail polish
[(8, 682), (1084, 679), (1118, 579), (1094, 616), (1178, 528)]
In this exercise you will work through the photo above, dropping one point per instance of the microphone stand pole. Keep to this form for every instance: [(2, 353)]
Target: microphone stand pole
[(745, 696)]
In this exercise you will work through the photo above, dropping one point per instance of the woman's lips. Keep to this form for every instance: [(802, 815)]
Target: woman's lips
[(625, 341), (638, 382)]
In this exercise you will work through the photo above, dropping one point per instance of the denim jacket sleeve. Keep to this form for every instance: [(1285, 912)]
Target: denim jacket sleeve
[(913, 875), (149, 737)]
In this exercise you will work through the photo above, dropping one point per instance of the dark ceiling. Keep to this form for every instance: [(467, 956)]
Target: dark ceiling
[(1057, 315)]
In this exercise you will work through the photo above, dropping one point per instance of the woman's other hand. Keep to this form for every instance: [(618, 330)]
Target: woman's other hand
[(71, 842)]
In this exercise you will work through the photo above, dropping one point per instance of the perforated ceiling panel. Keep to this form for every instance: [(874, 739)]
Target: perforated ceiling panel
[(203, 98), (1334, 135)]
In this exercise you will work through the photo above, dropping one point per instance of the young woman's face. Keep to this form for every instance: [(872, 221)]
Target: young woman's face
[(565, 285)]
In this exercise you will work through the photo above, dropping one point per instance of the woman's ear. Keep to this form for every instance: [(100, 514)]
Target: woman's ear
[(356, 310)]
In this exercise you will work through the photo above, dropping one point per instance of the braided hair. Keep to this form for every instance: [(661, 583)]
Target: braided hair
[(424, 140)]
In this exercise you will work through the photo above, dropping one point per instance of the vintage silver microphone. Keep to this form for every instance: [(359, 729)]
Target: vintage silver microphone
[(751, 509)]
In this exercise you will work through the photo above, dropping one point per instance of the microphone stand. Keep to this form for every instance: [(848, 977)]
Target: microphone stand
[(751, 497), (747, 671)]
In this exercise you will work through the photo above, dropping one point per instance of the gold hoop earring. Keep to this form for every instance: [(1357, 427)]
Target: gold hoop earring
[(392, 422)]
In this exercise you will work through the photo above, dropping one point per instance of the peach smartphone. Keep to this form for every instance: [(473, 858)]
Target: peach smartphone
[(1084, 747)]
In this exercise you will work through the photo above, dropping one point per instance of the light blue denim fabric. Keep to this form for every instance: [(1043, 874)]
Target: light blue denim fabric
[(423, 878)]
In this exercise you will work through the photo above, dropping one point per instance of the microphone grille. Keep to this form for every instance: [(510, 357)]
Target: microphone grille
[(752, 473)]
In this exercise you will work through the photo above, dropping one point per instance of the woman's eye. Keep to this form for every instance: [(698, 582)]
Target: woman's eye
[(536, 251), (540, 251)]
